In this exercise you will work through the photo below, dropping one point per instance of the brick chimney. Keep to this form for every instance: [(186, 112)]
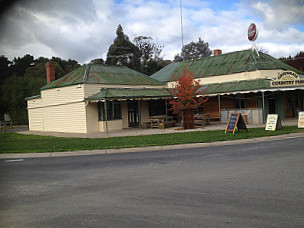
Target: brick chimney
[(50, 72), (217, 52)]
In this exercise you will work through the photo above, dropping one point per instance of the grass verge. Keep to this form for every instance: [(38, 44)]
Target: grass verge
[(18, 143)]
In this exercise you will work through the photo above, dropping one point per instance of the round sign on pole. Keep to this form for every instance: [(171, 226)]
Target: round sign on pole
[(252, 32)]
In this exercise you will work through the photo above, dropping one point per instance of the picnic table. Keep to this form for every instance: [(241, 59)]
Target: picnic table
[(160, 122), (201, 119)]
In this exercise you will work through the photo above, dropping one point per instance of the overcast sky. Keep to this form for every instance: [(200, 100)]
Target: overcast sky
[(84, 29)]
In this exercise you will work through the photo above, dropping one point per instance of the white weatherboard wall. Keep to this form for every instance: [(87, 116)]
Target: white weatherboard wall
[(124, 114), (259, 74), (90, 89), (92, 117), (113, 125), (64, 109), (35, 114), (35, 119), (144, 109), (60, 109), (63, 95), (65, 118)]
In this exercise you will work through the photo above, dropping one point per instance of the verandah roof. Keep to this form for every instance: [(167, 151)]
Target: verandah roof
[(246, 86), (129, 93), (228, 87)]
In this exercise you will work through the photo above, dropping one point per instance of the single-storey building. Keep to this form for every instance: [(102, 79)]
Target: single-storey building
[(101, 98), (95, 98), (249, 82)]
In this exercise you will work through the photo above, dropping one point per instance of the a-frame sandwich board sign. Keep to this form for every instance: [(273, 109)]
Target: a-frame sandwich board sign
[(235, 121), (301, 120), (273, 122)]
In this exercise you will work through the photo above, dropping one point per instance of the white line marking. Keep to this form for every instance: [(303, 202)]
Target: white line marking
[(15, 160)]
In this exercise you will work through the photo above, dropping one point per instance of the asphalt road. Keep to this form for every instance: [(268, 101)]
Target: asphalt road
[(250, 185)]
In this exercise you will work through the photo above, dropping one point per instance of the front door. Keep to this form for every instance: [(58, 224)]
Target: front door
[(133, 113), (272, 105)]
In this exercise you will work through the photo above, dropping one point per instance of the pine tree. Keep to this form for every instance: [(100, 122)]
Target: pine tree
[(123, 51)]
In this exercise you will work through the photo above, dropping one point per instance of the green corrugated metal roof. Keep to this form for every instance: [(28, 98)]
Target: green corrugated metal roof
[(230, 63), (129, 93), (72, 78), (239, 86), (103, 74)]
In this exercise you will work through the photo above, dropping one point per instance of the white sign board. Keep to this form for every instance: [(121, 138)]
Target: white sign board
[(273, 122), (301, 120)]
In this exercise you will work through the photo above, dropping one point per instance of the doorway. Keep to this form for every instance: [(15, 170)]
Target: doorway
[(133, 113), (272, 105)]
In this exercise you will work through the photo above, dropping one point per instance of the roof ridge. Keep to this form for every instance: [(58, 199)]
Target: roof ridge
[(86, 73)]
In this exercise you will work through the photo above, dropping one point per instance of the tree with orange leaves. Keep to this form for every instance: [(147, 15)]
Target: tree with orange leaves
[(188, 95)]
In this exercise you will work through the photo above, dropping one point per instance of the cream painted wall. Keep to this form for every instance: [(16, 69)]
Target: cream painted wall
[(90, 89), (62, 95), (66, 118), (92, 117), (35, 114), (260, 74), (113, 125), (35, 119), (144, 108), (63, 109), (34, 103), (124, 114)]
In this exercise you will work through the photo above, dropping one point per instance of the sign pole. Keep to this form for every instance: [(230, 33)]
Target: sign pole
[(264, 114), (252, 36), (106, 116), (219, 102)]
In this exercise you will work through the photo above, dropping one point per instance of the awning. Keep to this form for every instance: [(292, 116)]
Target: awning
[(246, 86), (129, 94)]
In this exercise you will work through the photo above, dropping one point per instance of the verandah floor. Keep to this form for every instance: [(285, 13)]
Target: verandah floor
[(148, 131)]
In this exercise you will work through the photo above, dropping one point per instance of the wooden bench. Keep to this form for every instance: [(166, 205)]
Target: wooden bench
[(200, 122), (214, 116), (170, 123), (146, 124), (153, 123), (201, 119)]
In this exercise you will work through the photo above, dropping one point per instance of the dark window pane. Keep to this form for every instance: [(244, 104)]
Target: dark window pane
[(113, 111), (157, 108)]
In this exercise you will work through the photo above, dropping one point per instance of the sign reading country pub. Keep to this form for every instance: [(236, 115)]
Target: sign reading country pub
[(287, 78)]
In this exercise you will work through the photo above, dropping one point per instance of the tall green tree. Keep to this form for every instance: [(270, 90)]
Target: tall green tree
[(150, 55), (193, 51), (62, 67), (19, 65), (15, 90), (4, 69), (4, 75), (148, 49), (123, 51), (97, 61), (25, 77)]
